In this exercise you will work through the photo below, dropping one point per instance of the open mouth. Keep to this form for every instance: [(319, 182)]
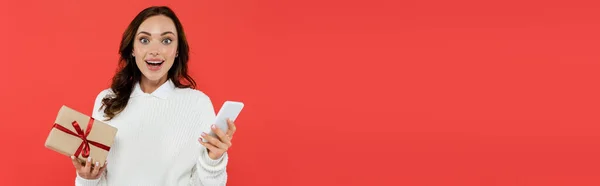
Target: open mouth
[(155, 63)]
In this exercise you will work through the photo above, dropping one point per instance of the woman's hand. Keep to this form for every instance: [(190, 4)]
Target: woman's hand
[(87, 171), (218, 146)]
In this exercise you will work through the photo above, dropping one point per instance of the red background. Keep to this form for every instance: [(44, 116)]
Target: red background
[(378, 92)]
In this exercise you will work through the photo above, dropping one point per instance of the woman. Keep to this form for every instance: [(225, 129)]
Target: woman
[(160, 117)]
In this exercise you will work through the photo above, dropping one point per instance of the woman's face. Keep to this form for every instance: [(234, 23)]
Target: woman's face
[(155, 47)]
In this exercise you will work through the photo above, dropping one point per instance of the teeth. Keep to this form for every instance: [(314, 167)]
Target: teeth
[(154, 62)]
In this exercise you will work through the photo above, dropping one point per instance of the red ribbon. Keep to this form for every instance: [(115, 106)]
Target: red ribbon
[(84, 148)]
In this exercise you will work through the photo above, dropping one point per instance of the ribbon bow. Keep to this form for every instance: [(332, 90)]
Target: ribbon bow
[(84, 148)]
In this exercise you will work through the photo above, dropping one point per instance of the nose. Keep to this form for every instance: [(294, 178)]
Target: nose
[(153, 53), (154, 49)]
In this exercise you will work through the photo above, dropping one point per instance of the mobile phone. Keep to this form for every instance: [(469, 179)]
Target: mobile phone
[(229, 110)]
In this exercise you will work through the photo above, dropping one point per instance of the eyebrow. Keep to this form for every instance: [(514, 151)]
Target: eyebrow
[(164, 33)]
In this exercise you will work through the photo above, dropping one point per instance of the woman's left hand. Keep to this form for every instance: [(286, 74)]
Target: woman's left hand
[(218, 146)]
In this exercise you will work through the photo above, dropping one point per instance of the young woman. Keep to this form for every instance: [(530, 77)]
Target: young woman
[(160, 117)]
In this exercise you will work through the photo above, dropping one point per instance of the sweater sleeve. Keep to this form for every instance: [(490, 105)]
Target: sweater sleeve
[(79, 181), (208, 171)]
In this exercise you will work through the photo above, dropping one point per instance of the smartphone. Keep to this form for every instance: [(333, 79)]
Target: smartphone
[(229, 110)]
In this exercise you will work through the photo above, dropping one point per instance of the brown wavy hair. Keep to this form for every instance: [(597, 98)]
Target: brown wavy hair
[(128, 73)]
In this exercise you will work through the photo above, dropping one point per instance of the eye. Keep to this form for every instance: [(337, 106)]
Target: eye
[(167, 41), (144, 40)]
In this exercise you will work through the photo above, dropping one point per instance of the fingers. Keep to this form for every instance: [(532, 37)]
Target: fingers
[(213, 140), (224, 138), (231, 130), (217, 146), (89, 170), (209, 146), (103, 167), (88, 165), (76, 163), (231, 127), (96, 169), (213, 151)]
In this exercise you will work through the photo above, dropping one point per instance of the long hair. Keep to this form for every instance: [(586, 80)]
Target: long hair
[(128, 73)]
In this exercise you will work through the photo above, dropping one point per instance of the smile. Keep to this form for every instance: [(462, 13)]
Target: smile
[(155, 63)]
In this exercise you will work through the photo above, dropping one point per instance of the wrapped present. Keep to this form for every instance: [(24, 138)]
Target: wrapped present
[(76, 134)]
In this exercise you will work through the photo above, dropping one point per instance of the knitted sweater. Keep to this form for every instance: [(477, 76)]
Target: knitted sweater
[(156, 142)]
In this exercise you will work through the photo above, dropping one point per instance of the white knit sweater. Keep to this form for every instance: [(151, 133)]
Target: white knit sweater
[(157, 140)]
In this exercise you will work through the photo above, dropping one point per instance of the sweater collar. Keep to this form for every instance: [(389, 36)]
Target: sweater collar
[(163, 91)]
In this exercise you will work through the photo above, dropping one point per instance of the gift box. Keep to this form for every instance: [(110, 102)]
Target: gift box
[(76, 134)]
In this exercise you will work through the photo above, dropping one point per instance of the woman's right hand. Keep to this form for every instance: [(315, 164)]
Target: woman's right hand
[(86, 171)]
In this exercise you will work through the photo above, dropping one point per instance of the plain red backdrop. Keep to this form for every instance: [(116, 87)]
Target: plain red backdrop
[(380, 92)]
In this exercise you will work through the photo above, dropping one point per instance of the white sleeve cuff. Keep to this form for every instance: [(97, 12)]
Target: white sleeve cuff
[(213, 165), (80, 181)]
